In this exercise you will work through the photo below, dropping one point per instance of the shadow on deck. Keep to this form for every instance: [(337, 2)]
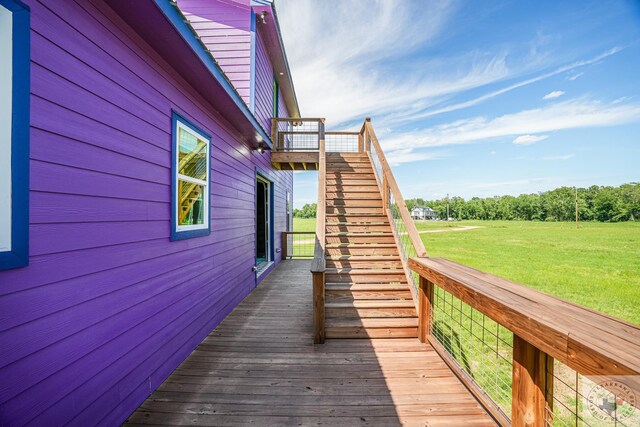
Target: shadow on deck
[(260, 367)]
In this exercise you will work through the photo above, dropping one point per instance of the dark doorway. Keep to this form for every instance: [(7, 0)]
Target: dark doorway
[(263, 222)]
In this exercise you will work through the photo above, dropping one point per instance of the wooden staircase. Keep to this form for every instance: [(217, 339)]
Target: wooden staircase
[(367, 294)]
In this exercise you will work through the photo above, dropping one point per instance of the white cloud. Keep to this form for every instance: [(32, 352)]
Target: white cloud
[(570, 114), (428, 112), (408, 155), (529, 139), (553, 95), (558, 158), (344, 57), (575, 76)]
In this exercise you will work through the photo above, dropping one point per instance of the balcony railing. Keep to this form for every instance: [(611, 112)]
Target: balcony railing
[(531, 358), (298, 244)]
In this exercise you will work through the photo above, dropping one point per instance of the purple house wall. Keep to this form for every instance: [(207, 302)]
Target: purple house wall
[(108, 305), (225, 29)]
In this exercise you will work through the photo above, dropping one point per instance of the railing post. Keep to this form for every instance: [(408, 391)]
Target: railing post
[(367, 136), (274, 133), (425, 309), (530, 391), (318, 307), (284, 243)]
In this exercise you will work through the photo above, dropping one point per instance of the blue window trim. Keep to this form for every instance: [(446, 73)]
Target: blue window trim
[(186, 234), (260, 173), (18, 256)]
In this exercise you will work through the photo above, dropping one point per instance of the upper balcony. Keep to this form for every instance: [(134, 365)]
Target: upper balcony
[(296, 142)]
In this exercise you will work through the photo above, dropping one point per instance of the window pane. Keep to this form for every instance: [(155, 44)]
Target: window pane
[(192, 155), (190, 203)]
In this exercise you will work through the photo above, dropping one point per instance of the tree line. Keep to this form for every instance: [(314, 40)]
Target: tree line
[(595, 203)]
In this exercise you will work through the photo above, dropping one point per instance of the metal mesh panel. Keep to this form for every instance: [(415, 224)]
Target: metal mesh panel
[(377, 166), (297, 135), (300, 245), (597, 401), (341, 142), (479, 346)]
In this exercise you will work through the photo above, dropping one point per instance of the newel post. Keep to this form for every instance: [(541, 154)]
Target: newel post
[(530, 388), (318, 307), (284, 244), (425, 301), (367, 137)]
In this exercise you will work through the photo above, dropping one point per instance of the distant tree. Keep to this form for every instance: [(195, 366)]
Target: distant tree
[(606, 204), (307, 211)]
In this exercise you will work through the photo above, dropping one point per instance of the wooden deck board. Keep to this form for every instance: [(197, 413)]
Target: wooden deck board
[(260, 367)]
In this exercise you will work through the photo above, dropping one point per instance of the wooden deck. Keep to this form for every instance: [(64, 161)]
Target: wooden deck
[(259, 367)]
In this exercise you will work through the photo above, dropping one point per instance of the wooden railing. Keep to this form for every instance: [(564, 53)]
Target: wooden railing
[(318, 265), (298, 244), (302, 134), (553, 356), (406, 235)]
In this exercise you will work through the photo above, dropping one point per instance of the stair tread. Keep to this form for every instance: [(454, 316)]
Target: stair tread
[(360, 245), (362, 258), (358, 287), (363, 271), (359, 234), (382, 322), (363, 303)]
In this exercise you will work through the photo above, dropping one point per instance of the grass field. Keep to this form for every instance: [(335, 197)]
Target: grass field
[(597, 265)]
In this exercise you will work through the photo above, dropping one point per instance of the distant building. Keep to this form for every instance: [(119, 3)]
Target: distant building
[(423, 213)]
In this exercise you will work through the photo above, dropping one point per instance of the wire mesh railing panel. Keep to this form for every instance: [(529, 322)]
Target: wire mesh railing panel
[(479, 346), (590, 401), (341, 142), (297, 135), (300, 245), (406, 248), (377, 166)]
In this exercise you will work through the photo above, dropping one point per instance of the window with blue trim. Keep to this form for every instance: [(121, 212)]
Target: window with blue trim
[(191, 178), (14, 134)]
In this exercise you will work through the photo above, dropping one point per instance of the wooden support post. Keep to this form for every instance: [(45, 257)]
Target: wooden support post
[(367, 136), (360, 142), (425, 310), (274, 133), (318, 307), (284, 244), (529, 386)]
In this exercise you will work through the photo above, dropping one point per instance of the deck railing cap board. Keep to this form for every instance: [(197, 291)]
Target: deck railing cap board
[(589, 342)]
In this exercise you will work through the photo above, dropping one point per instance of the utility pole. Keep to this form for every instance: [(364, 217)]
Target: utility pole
[(447, 206), (576, 188)]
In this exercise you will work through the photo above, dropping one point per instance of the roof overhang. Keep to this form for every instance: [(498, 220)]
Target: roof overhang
[(275, 46), (163, 27)]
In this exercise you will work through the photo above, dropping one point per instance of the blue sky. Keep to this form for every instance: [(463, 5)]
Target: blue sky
[(475, 98)]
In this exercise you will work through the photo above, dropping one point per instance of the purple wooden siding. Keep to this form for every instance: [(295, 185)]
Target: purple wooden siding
[(109, 306), (264, 84), (225, 28)]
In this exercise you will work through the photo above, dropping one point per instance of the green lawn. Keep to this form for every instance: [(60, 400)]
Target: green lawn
[(304, 224), (597, 265)]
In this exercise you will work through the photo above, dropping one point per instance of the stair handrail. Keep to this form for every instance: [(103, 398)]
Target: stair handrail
[(318, 264), (389, 189), (392, 185)]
